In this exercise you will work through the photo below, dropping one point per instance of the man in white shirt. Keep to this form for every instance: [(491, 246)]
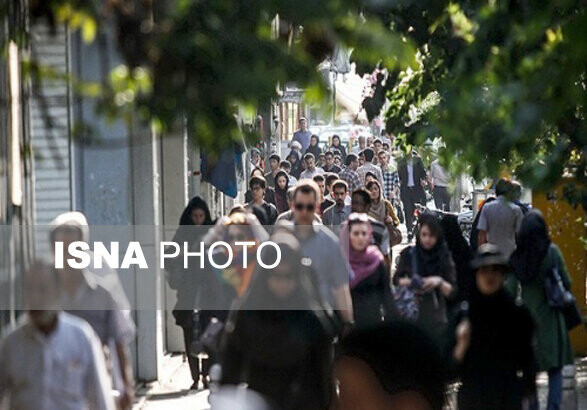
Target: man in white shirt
[(87, 296), (360, 146), (439, 179), (311, 168), (52, 360)]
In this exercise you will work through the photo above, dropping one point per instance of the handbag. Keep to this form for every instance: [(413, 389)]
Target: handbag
[(559, 297), (395, 235), (406, 300)]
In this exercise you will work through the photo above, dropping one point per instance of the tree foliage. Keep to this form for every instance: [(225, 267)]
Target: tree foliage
[(502, 82), (200, 59)]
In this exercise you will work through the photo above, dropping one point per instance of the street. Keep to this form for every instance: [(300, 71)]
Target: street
[(173, 393)]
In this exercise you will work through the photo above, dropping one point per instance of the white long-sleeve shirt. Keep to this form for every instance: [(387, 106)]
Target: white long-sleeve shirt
[(64, 370)]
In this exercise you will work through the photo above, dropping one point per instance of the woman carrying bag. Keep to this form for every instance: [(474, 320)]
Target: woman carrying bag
[(382, 210), (533, 262)]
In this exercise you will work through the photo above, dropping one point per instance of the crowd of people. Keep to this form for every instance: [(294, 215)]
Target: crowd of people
[(337, 324)]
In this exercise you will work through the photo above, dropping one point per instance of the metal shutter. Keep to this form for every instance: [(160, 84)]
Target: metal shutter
[(50, 131)]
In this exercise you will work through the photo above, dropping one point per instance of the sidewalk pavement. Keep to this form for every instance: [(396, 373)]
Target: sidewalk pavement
[(172, 392)]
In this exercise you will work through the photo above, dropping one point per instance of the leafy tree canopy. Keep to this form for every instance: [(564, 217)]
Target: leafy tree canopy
[(203, 58), (502, 82)]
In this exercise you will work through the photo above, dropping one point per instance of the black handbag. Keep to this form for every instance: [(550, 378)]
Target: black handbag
[(559, 297)]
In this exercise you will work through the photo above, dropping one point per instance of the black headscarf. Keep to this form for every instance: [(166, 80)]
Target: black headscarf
[(296, 168), (461, 254), (186, 232), (281, 194), (532, 243), (432, 261), (195, 203)]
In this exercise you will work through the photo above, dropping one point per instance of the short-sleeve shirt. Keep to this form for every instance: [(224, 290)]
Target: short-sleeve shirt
[(64, 370), (331, 267), (501, 219), (96, 305)]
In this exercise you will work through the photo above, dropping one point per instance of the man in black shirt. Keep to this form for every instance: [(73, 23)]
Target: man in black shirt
[(258, 187)]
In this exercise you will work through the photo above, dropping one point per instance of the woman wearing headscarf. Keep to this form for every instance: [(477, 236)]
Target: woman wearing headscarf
[(281, 187), (381, 209), (534, 258), (194, 217), (461, 255), (278, 340), (490, 341), (295, 160), (314, 148), (428, 268), (369, 281), (337, 146)]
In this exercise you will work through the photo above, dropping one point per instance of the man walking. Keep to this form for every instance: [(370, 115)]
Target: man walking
[(336, 214), (257, 185), (412, 176), (52, 360), (322, 247), (303, 135), (368, 166), (274, 161), (349, 173), (330, 166), (360, 146), (311, 168), (439, 183), (500, 220), (390, 183)]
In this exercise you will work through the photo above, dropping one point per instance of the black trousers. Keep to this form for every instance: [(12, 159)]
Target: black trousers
[(410, 197), (191, 333), (441, 198)]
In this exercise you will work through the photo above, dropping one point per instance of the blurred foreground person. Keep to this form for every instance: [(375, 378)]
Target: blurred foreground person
[(429, 270), (278, 340), (369, 283), (491, 342), (52, 360), (194, 218), (534, 260), (92, 297), (390, 366)]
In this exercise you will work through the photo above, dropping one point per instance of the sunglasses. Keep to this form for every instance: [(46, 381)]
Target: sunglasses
[(307, 207)]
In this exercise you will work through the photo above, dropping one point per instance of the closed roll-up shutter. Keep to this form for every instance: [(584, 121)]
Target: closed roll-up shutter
[(50, 130)]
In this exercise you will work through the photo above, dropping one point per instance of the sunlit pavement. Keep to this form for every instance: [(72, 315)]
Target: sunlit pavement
[(174, 394)]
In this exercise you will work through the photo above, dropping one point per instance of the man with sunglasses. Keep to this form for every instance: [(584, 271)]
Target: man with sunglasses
[(321, 246)]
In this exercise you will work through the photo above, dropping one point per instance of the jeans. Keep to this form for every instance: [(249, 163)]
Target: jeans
[(555, 388)]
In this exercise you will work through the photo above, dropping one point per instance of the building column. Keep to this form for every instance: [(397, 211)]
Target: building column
[(174, 187), (146, 211)]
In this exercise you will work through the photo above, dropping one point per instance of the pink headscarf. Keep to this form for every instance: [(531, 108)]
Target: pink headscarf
[(363, 263)]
